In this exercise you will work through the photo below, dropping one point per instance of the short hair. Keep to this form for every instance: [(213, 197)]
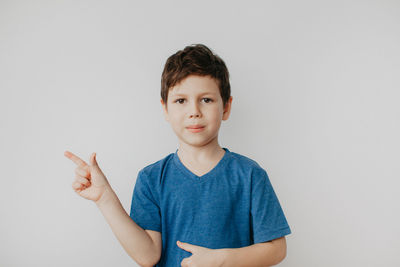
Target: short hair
[(195, 59)]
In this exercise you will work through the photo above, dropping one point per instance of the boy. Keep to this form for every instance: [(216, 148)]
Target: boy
[(219, 204)]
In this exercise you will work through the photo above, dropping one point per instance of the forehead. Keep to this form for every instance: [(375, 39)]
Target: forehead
[(195, 85)]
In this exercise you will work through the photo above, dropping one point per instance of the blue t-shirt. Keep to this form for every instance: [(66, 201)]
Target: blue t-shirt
[(231, 206)]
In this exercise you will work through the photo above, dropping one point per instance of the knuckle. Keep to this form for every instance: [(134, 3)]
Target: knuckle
[(81, 172), (75, 185), (85, 181), (82, 180), (77, 171)]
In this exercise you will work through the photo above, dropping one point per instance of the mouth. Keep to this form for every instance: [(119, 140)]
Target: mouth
[(195, 129)]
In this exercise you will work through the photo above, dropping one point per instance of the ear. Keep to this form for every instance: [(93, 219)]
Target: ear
[(227, 109), (164, 107)]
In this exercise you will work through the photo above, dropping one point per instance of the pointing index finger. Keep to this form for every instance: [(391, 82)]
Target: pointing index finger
[(75, 159)]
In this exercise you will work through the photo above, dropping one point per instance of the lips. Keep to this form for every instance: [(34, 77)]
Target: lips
[(197, 126)]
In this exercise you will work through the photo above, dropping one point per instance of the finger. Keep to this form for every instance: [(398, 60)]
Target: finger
[(82, 180), (78, 161), (82, 172), (77, 186)]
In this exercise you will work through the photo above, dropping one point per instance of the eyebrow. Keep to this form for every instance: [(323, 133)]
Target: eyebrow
[(206, 93)]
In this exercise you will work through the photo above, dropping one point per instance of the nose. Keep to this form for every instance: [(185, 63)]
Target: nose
[(194, 110)]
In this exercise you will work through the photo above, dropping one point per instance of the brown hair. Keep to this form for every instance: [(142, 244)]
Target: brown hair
[(195, 59)]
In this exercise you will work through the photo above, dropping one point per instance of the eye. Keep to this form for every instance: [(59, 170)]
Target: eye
[(208, 100), (178, 100)]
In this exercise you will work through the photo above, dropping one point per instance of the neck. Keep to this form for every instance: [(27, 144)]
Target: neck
[(201, 154)]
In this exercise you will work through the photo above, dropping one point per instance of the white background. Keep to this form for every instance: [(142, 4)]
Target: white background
[(315, 88)]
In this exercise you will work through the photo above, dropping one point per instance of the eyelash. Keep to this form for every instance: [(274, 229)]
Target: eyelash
[(210, 100)]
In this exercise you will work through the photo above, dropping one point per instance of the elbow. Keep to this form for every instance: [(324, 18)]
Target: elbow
[(282, 255), (146, 265), (280, 250), (278, 259), (143, 263), (150, 264)]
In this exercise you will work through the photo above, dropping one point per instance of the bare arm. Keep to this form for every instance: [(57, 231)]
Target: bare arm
[(257, 255), (134, 239), (143, 246)]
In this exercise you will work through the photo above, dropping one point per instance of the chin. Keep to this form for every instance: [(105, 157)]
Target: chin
[(197, 142)]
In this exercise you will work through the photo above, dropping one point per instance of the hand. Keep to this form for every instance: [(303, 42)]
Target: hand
[(201, 256), (90, 181)]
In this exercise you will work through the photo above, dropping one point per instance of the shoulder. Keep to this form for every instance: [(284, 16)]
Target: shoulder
[(245, 162), (248, 167), (153, 171)]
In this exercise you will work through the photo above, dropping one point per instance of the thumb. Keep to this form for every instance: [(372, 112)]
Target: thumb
[(101, 179), (94, 166), (93, 160)]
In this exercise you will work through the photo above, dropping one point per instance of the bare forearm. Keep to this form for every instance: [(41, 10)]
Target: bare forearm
[(257, 255), (136, 242)]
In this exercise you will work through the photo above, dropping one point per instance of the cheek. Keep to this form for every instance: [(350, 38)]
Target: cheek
[(216, 116), (176, 120), (174, 114)]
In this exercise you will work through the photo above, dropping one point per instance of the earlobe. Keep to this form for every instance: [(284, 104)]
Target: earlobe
[(165, 111), (163, 105), (227, 109)]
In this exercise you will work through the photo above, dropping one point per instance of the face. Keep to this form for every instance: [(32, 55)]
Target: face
[(196, 103)]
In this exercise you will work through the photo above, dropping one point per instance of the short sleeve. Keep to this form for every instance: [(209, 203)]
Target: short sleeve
[(145, 209), (267, 217)]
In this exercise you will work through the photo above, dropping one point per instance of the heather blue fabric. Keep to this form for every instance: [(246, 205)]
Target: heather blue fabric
[(233, 205)]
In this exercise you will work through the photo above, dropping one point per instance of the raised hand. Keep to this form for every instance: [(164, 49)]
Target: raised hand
[(90, 182)]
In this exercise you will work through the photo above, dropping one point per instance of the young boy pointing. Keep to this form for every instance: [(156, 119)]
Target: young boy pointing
[(204, 205)]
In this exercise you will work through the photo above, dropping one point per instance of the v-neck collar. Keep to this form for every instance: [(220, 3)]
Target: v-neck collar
[(212, 173)]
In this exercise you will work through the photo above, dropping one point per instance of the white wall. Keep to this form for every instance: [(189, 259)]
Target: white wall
[(315, 88)]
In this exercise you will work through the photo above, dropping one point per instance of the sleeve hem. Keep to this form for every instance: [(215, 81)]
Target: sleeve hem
[(268, 236), (145, 225), (152, 228), (149, 227)]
